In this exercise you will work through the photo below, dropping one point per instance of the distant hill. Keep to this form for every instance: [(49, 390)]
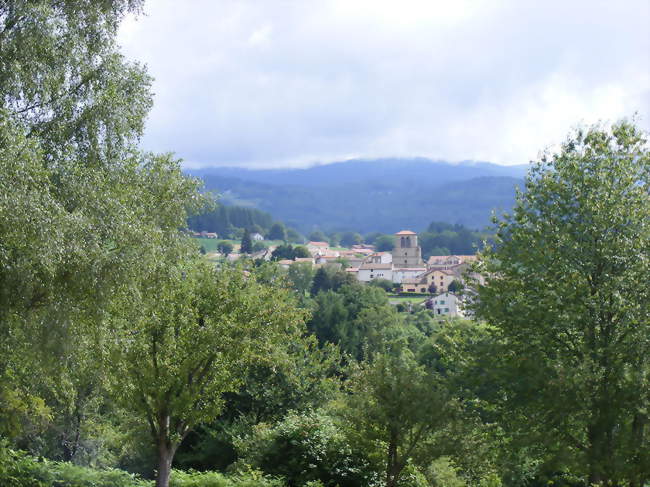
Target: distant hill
[(367, 196)]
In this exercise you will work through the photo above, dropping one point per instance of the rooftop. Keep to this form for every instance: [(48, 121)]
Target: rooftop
[(406, 232), (370, 265)]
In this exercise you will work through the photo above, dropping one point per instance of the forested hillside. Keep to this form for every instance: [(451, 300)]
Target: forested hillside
[(372, 204)]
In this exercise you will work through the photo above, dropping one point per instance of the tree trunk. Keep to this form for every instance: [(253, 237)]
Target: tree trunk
[(392, 466), (165, 457), (596, 452)]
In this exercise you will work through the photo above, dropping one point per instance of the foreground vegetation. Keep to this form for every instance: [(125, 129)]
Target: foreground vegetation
[(120, 353)]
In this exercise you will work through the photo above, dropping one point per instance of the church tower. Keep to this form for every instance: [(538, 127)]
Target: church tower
[(406, 252)]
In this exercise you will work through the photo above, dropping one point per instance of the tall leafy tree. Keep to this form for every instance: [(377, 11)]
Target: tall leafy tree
[(567, 290), (189, 338), (246, 243), (396, 405), (277, 232), (77, 195)]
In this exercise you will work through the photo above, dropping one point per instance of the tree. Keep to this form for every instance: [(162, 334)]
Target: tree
[(304, 448), (385, 284), (294, 237), (77, 194), (246, 243), (384, 243), (301, 252), (348, 239), (334, 239), (322, 281), (396, 404), (225, 247), (455, 286), (566, 288), (301, 275), (317, 236), (277, 232), (189, 339)]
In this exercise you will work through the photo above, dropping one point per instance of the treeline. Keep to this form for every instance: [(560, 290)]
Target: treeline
[(439, 239), (230, 222)]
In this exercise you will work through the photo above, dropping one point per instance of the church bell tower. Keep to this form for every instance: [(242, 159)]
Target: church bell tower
[(406, 252)]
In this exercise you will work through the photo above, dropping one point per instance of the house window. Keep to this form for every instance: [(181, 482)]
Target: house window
[(405, 261), (442, 301), (446, 310)]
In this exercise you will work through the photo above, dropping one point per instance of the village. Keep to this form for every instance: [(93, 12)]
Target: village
[(437, 282)]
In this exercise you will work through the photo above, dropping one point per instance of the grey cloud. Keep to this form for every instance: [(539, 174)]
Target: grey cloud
[(277, 84)]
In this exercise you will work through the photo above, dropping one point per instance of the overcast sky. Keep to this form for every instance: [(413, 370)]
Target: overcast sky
[(273, 83)]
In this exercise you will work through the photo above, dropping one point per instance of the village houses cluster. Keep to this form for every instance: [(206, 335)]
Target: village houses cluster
[(403, 266)]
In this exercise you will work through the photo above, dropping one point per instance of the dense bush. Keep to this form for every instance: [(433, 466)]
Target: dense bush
[(305, 448), (214, 479), (18, 469)]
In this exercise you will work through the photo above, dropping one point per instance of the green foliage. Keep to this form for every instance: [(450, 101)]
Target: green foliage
[(330, 278), (395, 409), (77, 198), (214, 479), (288, 251), (224, 247), (246, 243), (224, 220), (455, 286), (301, 275), (567, 292), (188, 340), (307, 447), (294, 237), (277, 232), (384, 243), (334, 239), (317, 236), (353, 316), (384, 284), (17, 469)]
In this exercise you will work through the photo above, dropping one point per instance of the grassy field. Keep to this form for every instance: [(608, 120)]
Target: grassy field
[(401, 298)]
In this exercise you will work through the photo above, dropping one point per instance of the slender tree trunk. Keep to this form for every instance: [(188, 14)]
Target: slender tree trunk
[(638, 432), (165, 457), (392, 467)]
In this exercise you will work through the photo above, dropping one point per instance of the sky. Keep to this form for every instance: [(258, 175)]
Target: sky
[(279, 83)]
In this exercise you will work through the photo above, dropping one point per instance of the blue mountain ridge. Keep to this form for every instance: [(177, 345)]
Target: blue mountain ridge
[(381, 195)]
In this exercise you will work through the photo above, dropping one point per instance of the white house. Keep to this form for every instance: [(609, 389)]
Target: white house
[(257, 237), (370, 271), (446, 304)]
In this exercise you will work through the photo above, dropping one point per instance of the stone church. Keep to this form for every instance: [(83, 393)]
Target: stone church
[(407, 253)]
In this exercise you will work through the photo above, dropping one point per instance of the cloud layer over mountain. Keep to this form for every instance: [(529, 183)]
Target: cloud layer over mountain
[(279, 84)]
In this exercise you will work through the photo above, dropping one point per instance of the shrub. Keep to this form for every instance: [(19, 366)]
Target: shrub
[(215, 479), (306, 447), (17, 469)]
